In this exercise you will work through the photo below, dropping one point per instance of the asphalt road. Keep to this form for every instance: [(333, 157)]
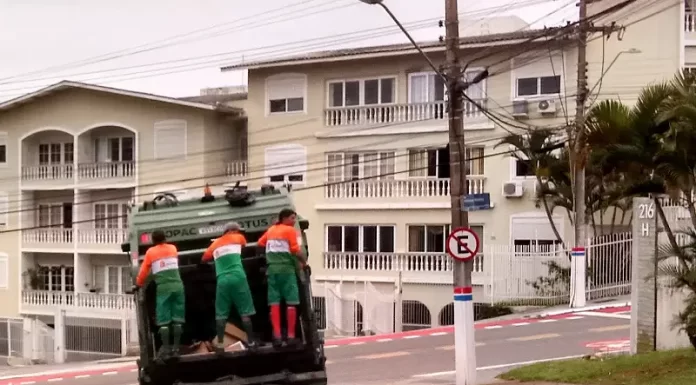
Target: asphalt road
[(430, 359)]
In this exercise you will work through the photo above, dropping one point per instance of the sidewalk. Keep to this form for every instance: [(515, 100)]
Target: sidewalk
[(10, 372)]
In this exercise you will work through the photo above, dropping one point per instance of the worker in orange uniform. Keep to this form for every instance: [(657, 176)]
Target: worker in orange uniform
[(232, 285), (162, 260), (282, 255)]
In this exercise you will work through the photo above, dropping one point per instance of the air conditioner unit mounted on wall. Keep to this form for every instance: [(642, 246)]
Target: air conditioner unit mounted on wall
[(520, 108), (547, 107), (513, 189)]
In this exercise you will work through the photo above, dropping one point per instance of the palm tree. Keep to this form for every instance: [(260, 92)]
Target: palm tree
[(530, 148)]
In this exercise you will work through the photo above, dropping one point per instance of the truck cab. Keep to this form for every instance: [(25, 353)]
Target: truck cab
[(191, 225)]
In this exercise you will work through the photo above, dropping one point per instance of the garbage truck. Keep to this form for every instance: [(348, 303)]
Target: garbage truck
[(191, 225)]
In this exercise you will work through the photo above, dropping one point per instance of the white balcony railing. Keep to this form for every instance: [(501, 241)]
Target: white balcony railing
[(690, 22), (86, 301), (237, 168), (106, 170), (54, 172), (399, 262), (48, 236), (400, 188), (395, 113), (101, 236)]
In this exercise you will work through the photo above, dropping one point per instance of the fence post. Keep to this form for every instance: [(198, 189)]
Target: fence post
[(59, 337), (124, 334), (642, 279)]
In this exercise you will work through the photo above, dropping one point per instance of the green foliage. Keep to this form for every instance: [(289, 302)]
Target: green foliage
[(628, 151), (557, 281)]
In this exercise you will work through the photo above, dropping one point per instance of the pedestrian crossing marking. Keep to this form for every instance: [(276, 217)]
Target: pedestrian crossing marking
[(535, 337), (383, 355)]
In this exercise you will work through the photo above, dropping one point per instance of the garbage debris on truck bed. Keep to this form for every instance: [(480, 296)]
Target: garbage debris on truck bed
[(233, 341)]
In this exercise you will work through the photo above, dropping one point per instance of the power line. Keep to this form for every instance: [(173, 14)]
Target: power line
[(130, 196), (145, 47), (322, 185), (283, 45)]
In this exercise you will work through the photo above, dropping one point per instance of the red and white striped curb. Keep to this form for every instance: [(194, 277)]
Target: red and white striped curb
[(58, 376), (62, 375), (450, 329)]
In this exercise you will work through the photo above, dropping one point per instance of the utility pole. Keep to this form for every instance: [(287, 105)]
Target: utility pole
[(465, 353), (579, 256)]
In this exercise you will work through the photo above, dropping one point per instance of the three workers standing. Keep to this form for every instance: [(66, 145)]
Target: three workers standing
[(283, 256)]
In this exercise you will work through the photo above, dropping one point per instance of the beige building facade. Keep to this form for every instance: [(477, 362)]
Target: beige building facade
[(75, 158), (361, 135)]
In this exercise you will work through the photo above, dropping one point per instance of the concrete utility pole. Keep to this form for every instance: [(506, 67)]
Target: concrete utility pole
[(579, 256), (465, 353)]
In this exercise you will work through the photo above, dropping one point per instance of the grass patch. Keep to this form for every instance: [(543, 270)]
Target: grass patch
[(676, 367)]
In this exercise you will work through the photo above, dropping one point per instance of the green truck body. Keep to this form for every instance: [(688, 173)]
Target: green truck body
[(191, 225)]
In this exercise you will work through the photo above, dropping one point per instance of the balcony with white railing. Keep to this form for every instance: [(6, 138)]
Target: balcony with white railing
[(55, 239), (106, 173), (397, 113), (48, 302), (237, 168), (106, 239), (428, 190), (413, 267), (48, 175)]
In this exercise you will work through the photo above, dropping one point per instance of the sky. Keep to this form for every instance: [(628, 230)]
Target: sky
[(176, 47)]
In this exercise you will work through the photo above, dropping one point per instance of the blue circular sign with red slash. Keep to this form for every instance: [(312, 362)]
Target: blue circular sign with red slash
[(463, 244)]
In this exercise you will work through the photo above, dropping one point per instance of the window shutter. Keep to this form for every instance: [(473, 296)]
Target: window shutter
[(4, 271), (170, 139), (286, 88), (286, 159)]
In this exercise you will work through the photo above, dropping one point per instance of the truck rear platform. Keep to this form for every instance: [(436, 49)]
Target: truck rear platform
[(191, 225)]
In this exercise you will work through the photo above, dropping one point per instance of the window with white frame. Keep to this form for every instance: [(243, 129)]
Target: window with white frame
[(3, 148), (170, 139), (539, 86), (523, 168), (428, 87), (435, 163), (56, 153), (286, 164), (533, 234), (111, 215), (112, 279), (114, 149), (4, 208), (432, 238), (4, 271), (362, 92), (360, 238), (57, 278), (286, 93), (347, 166), (55, 215)]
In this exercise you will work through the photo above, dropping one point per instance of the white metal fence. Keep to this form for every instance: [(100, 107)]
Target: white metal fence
[(354, 308), (540, 276), (90, 337), (25, 341), (527, 275)]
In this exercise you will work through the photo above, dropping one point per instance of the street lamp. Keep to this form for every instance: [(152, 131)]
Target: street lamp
[(601, 76)]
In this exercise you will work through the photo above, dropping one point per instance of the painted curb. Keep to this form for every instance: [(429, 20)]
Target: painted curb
[(605, 307), (30, 378), (103, 369)]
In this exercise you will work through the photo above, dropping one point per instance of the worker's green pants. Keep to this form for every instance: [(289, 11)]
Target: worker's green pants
[(283, 286), (233, 289), (170, 306)]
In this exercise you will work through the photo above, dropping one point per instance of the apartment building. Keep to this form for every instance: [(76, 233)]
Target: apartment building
[(361, 136), (74, 157)]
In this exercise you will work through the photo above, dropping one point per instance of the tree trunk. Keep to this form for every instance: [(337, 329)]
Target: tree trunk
[(670, 233), (613, 219), (549, 215)]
